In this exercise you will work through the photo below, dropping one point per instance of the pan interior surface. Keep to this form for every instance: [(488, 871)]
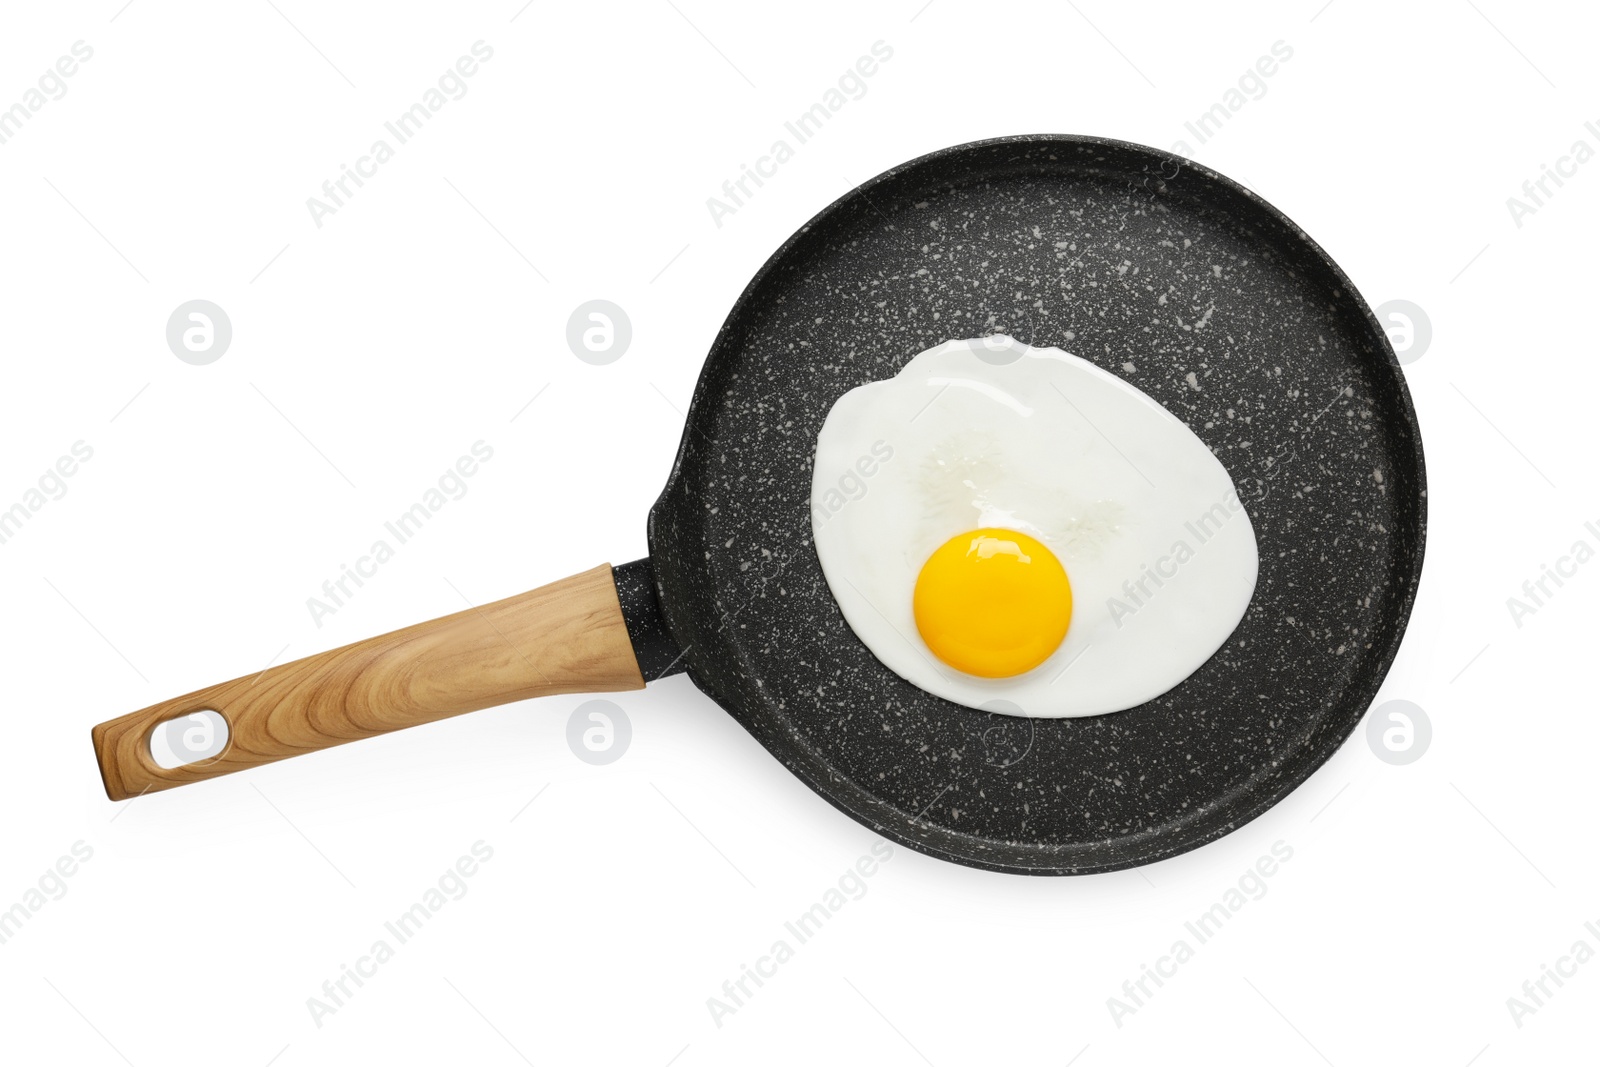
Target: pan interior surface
[(1156, 270)]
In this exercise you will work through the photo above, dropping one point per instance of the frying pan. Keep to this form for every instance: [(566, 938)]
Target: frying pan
[(1158, 270)]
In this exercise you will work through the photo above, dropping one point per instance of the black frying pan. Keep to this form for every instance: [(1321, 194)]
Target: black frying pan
[(1160, 271)]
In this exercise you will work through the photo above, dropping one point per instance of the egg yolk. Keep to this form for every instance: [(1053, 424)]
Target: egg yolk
[(992, 602)]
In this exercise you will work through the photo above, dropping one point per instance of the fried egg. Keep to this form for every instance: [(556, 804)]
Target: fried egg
[(1014, 529)]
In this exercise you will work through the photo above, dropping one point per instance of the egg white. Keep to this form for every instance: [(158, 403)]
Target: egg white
[(1157, 546)]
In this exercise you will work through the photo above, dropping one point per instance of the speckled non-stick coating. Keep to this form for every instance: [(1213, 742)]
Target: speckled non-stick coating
[(1157, 270)]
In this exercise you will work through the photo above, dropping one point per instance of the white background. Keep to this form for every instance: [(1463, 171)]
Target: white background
[(370, 353)]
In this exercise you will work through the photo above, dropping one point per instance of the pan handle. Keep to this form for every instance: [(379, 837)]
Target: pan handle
[(566, 637)]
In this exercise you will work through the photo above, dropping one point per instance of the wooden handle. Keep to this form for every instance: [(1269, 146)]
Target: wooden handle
[(566, 637)]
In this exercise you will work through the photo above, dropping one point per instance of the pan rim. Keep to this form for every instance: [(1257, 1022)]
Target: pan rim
[(1265, 788)]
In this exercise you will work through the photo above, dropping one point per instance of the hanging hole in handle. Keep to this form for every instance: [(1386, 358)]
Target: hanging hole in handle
[(193, 738)]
